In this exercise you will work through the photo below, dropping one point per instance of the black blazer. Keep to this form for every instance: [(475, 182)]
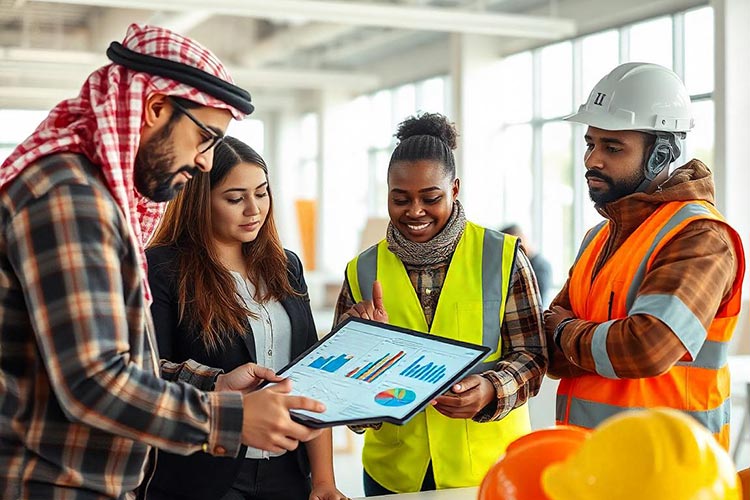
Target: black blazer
[(203, 476)]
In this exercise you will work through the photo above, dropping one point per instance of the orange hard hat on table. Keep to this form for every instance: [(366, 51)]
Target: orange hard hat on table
[(653, 454), (516, 476), (744, 476)]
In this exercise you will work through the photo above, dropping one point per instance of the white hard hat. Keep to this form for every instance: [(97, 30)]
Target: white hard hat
[(638, 96)]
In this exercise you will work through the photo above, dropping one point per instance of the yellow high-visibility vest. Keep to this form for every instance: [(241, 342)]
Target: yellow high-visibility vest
[(471, 308)]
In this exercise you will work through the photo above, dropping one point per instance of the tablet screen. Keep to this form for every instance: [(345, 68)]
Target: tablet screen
[(370, 372)]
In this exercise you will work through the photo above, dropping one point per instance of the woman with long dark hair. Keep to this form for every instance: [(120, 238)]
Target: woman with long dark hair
[(227, 293)]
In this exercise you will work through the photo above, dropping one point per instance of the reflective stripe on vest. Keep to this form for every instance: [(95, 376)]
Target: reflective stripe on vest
[(586, 400), (589, 414), (470, 308), (494, 291), (588, 238), (689, 211), (669, 309)]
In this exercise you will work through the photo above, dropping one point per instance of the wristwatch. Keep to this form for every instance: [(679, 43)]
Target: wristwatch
[(558, 331)]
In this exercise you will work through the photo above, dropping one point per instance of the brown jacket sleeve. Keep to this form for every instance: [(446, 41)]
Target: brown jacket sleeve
[(698, 267)]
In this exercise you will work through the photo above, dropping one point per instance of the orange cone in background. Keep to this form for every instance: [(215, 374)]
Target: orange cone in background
[(517, 475)]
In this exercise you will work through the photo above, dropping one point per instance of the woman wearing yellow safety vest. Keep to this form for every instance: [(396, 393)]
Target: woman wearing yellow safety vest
[(438, 273)]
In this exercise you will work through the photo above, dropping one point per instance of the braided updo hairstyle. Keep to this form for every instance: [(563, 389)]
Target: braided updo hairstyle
[(429, 136)]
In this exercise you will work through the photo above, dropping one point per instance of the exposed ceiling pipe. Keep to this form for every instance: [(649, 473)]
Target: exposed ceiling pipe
[(42, 64), (181, 22), (8, 54), (304, 79), (365, 14), (28, 95), (345, 53), (282, 43)]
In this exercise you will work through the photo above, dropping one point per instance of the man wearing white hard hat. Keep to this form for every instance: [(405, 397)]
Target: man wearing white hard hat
[(652, 299)]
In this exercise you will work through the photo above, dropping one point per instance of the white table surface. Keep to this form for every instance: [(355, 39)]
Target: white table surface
[(452, 494)]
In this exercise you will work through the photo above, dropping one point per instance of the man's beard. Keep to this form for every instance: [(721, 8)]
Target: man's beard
[(617, 189), (152, 176)]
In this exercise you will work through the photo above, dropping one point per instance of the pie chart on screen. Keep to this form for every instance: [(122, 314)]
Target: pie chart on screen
[(395, 397)]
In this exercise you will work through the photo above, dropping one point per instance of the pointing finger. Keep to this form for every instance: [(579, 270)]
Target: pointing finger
[(377, 296)]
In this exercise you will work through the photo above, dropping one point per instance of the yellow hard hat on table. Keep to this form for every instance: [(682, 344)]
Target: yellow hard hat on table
[(656, 454), (516, 475)]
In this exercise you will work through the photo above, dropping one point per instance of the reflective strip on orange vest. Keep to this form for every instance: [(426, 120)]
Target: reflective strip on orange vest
[(589, 414), (587, 400), (671, 311)]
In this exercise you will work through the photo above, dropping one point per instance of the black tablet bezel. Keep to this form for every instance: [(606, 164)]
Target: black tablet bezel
[(309, 421)]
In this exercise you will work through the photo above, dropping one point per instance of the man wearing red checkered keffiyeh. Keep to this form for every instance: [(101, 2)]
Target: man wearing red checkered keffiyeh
[(104, 122), (81, 399)]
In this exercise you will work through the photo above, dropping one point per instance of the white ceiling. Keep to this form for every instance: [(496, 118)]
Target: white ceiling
[(281, 50)]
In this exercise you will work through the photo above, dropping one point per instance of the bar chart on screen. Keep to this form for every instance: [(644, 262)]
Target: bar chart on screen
[(428, 372), (371, 372), (375, 369), (331, 364)]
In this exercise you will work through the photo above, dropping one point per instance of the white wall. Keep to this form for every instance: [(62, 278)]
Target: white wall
[(732, 156)]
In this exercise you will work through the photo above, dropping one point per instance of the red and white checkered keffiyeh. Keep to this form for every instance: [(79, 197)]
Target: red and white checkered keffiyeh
[(104, 121)]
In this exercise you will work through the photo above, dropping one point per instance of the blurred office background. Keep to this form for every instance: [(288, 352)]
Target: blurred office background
[(331, 79)]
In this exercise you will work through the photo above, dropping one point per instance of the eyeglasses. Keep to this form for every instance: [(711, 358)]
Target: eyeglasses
[(213, 138)]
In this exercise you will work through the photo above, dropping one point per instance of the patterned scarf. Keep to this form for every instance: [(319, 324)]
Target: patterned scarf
[(104, 122), (438, 249)]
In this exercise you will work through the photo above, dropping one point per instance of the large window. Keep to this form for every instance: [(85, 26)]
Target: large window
[(306, 178), (18, 124), (249, 131), (651, 41), (558, 195), (513, 150), (385, 109), (543, 186)]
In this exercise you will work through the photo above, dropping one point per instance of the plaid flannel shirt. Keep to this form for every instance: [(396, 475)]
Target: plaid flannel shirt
[(81, 400)]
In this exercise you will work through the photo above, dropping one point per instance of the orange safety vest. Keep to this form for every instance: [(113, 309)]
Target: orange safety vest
[(699, 384)]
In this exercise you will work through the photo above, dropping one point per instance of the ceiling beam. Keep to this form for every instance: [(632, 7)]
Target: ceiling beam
[(25, 97), (44, 97), (304, 79), (284, 42), (181, 22), (62, 66), (102, 23), (364, 14), (361, 50)]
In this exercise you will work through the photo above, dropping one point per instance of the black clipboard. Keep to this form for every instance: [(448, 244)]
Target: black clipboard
[(368, 372)]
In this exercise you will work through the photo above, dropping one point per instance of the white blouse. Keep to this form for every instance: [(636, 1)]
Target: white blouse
[(272, 333)]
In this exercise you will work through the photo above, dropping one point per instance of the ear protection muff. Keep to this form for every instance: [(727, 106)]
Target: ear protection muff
[(665, 150)]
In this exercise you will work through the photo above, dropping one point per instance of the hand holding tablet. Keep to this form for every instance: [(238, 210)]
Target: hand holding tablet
[(366, 372)]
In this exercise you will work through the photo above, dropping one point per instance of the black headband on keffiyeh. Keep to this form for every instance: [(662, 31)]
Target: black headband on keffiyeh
[(231, 94), (103, 122)]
